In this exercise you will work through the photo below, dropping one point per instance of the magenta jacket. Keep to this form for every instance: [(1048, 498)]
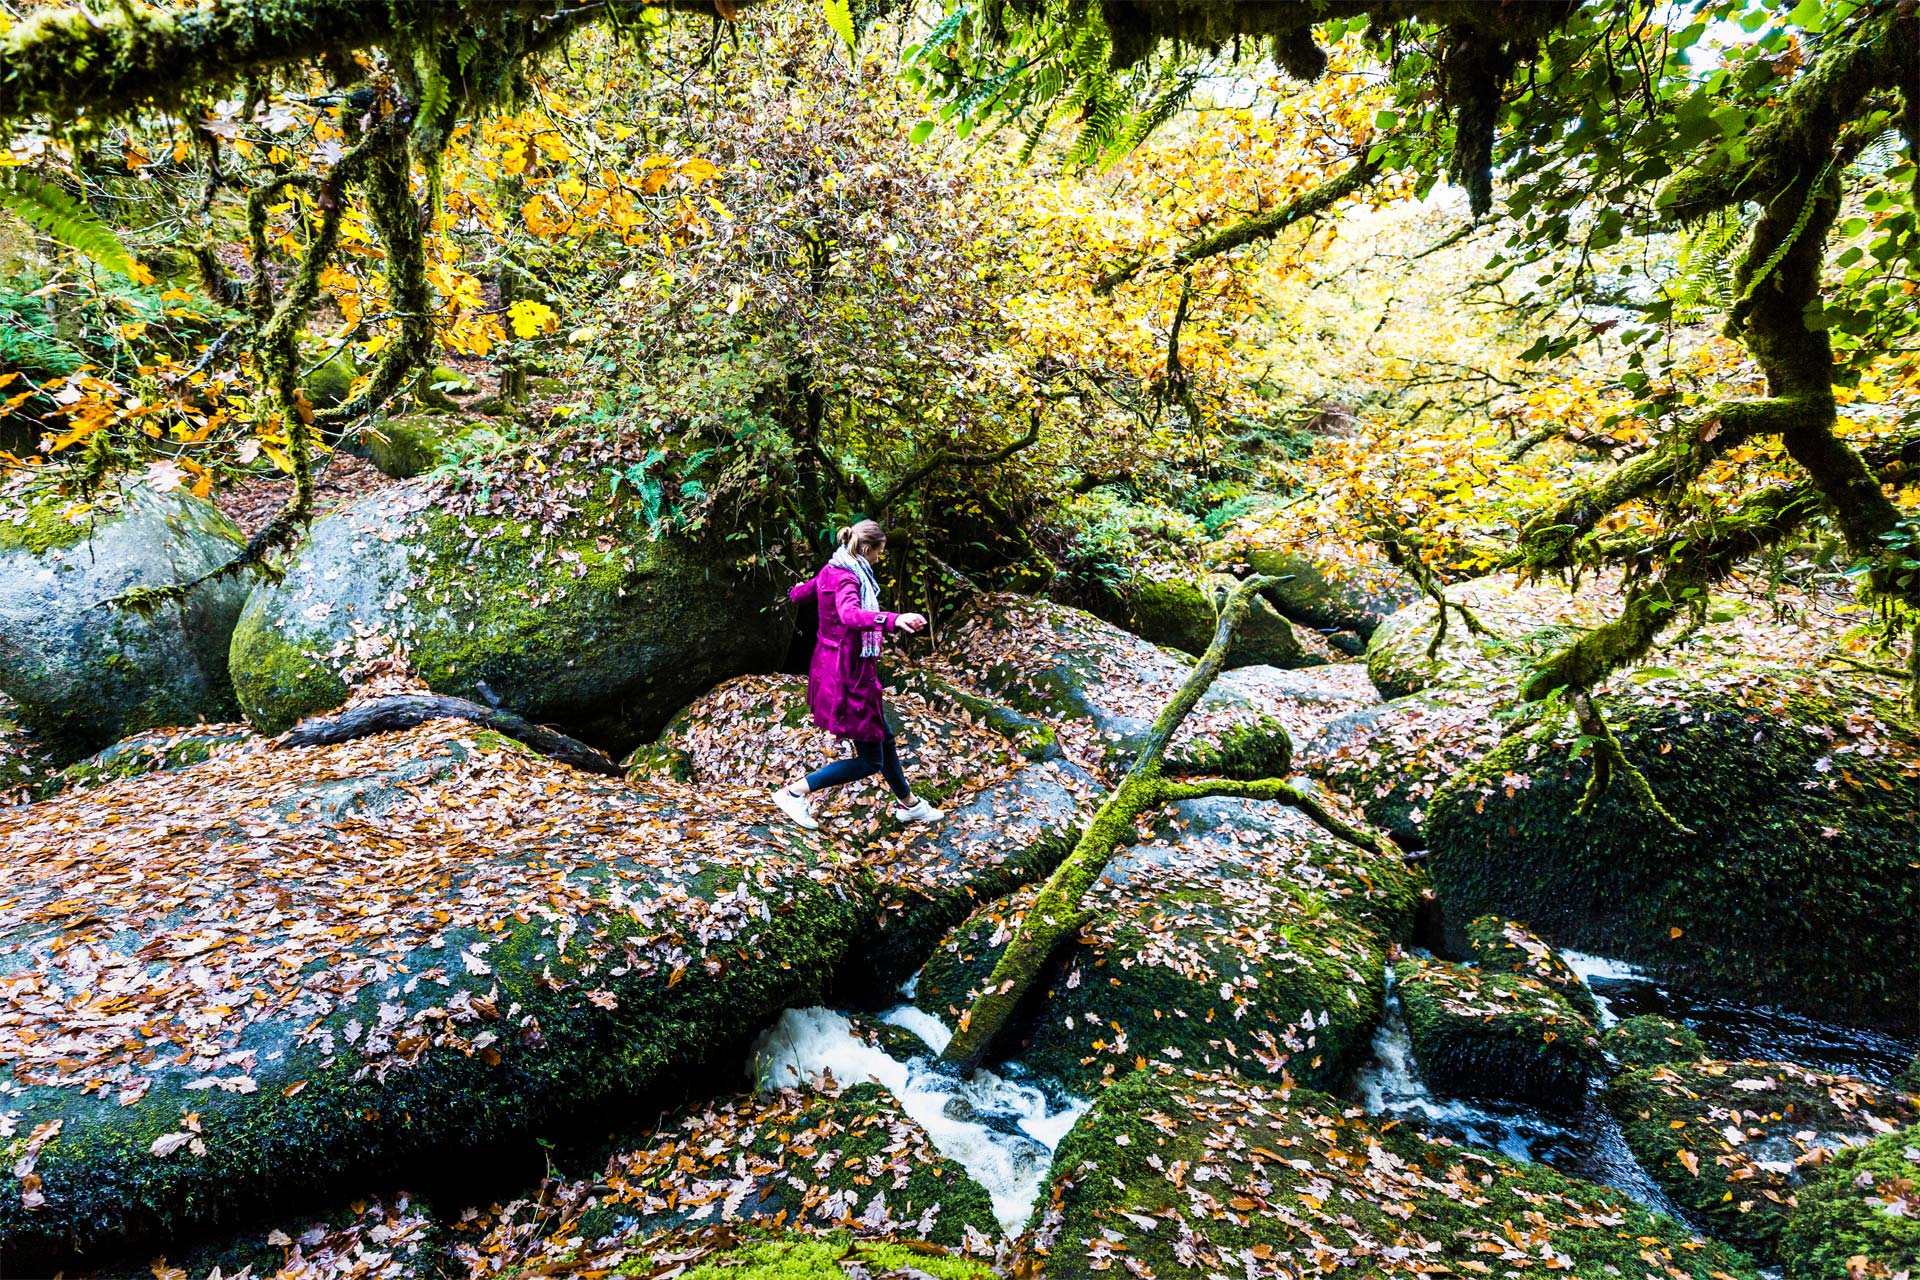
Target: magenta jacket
[(843, 688)]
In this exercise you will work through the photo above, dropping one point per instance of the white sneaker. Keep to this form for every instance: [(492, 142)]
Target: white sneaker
[(795, 807), (920, 811)]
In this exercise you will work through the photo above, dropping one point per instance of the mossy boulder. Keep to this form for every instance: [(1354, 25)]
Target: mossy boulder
[(1524, 622), (1178, 1173), (84, 674), (823, 1154), (1793, 885), (154, 751), (1733, 1142), (282, 978), (1169, 608), (1496, 1035), (566, 609), (1238, 936), (1864, 1204), (1649, 1040), (406, 446), (1332, 588), (1390, 758), (1101, 687), (28, 762), (1507, 946), (331, 381), (756, 1252), (1909, 1079), (395, 1235)]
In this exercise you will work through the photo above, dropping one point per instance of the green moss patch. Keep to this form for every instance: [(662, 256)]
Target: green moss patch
[(1507, 946), (759, 1252), (154, 751), (1189, 1173), (1650, 1040), (1796, 887), (1170, 606), (1733, 1142), (1240, 937), (1496, 1035), (1863, 1204)]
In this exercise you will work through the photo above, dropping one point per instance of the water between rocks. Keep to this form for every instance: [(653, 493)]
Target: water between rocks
[(1002, 1128)]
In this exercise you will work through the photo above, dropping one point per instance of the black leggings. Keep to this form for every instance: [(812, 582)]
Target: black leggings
[(869, 758)]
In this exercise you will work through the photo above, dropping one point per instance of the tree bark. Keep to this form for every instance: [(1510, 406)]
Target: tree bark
[(408, 710)]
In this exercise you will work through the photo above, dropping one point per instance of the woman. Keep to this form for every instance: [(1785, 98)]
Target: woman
[(843, 684)]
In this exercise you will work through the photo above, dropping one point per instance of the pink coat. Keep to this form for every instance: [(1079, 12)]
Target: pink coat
[(843, 688)]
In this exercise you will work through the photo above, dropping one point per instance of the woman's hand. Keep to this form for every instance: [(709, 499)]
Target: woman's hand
[(912, 622)]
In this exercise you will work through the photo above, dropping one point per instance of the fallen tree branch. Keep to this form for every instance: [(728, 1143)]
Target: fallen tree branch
[(410, 710)]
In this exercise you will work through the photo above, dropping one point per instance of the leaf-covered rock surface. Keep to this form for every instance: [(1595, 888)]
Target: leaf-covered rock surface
[(85, 674), (1392, 757), (1325, 585), (1859, 1214), (152, 751), (1102, 687), (231, 983), (1507, 946), (1525, 622), (1178, 1172), (825, 1155), (1649, 1040), (545, 593), (1496, 1035), (1795, 883), (1233, 935), (1734, 1142), (27, 760), (390, 1236)]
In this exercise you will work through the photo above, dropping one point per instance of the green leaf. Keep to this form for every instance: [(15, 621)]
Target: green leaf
[(64, 218), (1809, 15), (1385, 119), (922, 131), (840, 18)]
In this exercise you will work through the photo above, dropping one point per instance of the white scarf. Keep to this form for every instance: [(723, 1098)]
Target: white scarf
[(869, 595)]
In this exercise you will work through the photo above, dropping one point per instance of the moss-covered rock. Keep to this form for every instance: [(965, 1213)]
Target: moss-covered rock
[(1795, 885), (822, 1155), (1185, 1173), (405, 447), (283, 976), (1732, 1142), (1864, 1204), (1650, 1040), (1392, 757), (1102, 688), (565, 608), (394, 1235), (1332, 588), (1496, 1035), (331, 381), (1507, 946), (1168, 608), (1525, 622), (1910, 1078), (1238, 935), (28, 762), (154, 751), (85, 675), (757, 1252)]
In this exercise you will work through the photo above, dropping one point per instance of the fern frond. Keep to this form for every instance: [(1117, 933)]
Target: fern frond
[(1880, 154), (58, 215)]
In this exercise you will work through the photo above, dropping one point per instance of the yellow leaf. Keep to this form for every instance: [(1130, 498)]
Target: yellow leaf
[(530, 317)]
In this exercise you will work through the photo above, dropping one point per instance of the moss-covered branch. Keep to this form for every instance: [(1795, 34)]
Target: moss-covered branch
[(948, 460), (1057, 913), (1278, 789)]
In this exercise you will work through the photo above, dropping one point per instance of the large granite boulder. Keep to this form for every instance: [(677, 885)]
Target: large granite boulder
[(1793, 883), (550, 599), (1734, 1142), (1239, 935), (85, 674), (1170, 605), (1178, 1172), (1392, 757), (1859, 1214), (1496, 1035)]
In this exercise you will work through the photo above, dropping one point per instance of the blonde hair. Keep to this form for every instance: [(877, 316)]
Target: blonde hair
[(861, 535)]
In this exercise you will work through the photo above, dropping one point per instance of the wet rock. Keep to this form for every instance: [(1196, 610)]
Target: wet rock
[(1503, 1036), (84, 675), (1240, 935), (1734, 1142), (1859, 1214), (1102, 687), (1794, 884), (561, 604), (1650, 1040), (286, 973), (1188, 1173), (392, 1235), (1507, 946)]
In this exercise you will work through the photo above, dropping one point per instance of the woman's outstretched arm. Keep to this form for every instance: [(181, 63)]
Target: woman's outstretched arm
[(805, 591)]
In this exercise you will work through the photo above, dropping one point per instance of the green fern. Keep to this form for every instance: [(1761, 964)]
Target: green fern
[(58, 215), (1704, 267), (436, 92)]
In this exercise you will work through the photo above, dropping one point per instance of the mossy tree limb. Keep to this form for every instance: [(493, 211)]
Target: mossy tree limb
[(1058, 912)]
